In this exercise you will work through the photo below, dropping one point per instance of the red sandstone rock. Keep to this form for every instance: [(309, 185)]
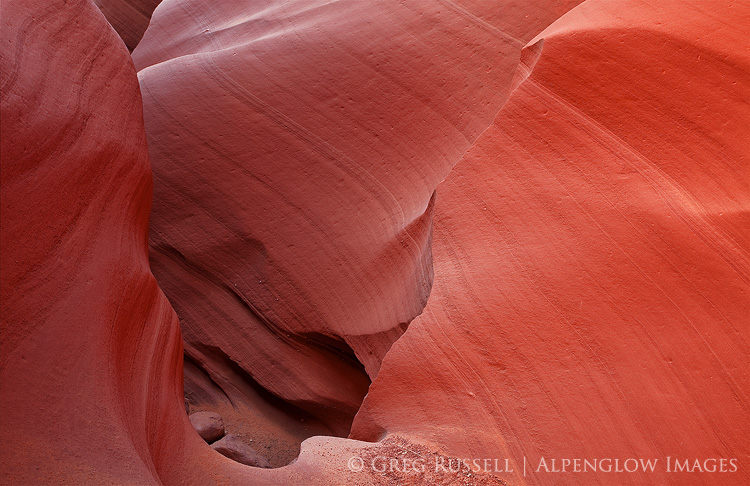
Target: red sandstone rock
[(591, 265), (296, 149), (591, 258), (90, 382), (234, 448), (78, 300), (128, 17), (209, 425)]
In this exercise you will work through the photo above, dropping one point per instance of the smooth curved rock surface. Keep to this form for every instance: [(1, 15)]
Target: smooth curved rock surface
[(296, 148), (90, 381), (209, 425), (91, 355), (78, 298), (591, 258), (234, 448), (129, 18)]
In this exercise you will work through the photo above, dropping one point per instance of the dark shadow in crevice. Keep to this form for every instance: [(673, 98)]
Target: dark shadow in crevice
[(272, 426)]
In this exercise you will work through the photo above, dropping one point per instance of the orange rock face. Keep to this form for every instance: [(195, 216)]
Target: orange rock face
[(521, 233), (591, 261)]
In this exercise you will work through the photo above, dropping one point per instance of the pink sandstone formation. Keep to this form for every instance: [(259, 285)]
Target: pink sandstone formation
[(90, 380), (521, 233), (236, 449), (292, 233), (209, 425), (284, 285), (128, 17)]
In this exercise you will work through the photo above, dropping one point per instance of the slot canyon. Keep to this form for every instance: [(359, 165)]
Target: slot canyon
[(375, 242)]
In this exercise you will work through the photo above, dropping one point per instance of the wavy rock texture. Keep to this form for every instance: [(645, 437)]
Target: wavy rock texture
[(90, 389), (590, 249), (128, 17), (591, 257), (296, 148), (91, 356)]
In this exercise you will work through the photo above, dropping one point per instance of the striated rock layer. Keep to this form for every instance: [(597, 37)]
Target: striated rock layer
[(91, 355), (296, 148), (591, 259), (590, 249), (128, 17), (90, 359)]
